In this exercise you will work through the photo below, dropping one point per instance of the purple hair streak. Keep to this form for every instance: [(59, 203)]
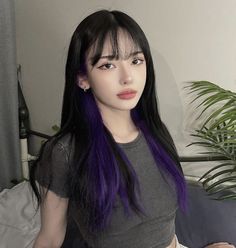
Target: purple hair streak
[(106, 181), (105, 176)]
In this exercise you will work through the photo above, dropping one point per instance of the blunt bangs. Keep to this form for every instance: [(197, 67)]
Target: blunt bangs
[(115, 51), (108, 26)]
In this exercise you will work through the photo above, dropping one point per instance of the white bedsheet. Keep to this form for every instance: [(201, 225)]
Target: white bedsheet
[(19, 224)]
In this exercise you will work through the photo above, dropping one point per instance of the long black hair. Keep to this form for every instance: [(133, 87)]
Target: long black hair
[(99, 170)]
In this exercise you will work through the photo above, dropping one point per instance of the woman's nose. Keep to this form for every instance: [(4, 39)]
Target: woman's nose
[(126, 75)]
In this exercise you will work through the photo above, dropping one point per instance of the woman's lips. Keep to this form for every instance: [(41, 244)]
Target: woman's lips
[(127, 94)]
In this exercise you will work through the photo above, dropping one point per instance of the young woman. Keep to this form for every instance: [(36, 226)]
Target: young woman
[(112, 172)]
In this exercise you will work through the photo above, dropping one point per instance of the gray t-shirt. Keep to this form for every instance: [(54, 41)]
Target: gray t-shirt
[(156, 230)]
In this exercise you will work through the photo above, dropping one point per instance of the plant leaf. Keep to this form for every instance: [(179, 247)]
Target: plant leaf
[(215, 168), (220, 181)]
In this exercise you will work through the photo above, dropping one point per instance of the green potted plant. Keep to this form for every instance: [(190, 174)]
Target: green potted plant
[(218, 135)]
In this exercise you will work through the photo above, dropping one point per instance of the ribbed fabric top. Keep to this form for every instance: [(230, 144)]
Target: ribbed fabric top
[(157, 228)]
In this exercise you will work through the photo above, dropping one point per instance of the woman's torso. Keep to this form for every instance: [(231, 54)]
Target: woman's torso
[(155, 230)]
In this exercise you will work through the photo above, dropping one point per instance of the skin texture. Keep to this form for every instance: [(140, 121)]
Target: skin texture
[(108, 77), (220, 245), (53, 221)]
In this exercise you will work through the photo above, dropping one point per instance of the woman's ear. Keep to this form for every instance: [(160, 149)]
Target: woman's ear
[(82, 82)]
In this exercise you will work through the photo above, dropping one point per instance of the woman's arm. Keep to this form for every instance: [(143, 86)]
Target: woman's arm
[(53, 221)]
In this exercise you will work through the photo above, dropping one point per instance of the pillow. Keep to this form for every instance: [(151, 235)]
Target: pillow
[(206, 220), (19, 224)]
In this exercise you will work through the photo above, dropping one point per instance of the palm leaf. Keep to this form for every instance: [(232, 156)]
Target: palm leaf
[(227, 197), (217, 134), (220, 182), (221, 189), (215, 114), (210, 102), (216, 175), (215, 168)]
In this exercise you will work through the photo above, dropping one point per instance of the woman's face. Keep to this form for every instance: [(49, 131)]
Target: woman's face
[(117, 84)]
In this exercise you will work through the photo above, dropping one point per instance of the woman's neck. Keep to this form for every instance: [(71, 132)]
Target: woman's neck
[(120, 125)]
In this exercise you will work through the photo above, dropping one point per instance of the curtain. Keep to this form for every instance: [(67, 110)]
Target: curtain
[(10, 168)]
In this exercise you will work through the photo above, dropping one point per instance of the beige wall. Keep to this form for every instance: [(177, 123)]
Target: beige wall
[(190, 40)]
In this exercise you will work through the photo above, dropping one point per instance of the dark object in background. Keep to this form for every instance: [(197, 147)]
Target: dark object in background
[(23, 114), (206, 221)]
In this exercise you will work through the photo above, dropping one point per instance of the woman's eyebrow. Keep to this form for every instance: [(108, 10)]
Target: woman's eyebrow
[(96, 58), (112, 56), (134, 53), (108, 57)]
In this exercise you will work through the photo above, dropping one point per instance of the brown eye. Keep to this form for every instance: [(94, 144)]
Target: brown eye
[(106, 66), (137, 61)]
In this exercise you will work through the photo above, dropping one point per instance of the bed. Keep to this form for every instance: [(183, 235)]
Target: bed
[(18, 223)]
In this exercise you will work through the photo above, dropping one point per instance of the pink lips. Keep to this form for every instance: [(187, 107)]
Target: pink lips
[(127, 94)]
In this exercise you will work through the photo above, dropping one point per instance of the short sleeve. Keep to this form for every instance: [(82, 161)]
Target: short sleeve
[(53, 173)]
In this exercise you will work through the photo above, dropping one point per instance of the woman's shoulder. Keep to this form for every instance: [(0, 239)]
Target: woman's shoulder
[(59, 145), (53, 167), (66, 141)]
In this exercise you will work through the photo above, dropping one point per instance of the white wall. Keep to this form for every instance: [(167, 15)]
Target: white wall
[(190, 40)]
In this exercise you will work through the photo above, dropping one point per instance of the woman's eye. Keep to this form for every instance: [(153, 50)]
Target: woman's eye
[(106, 66), (137, 61)]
